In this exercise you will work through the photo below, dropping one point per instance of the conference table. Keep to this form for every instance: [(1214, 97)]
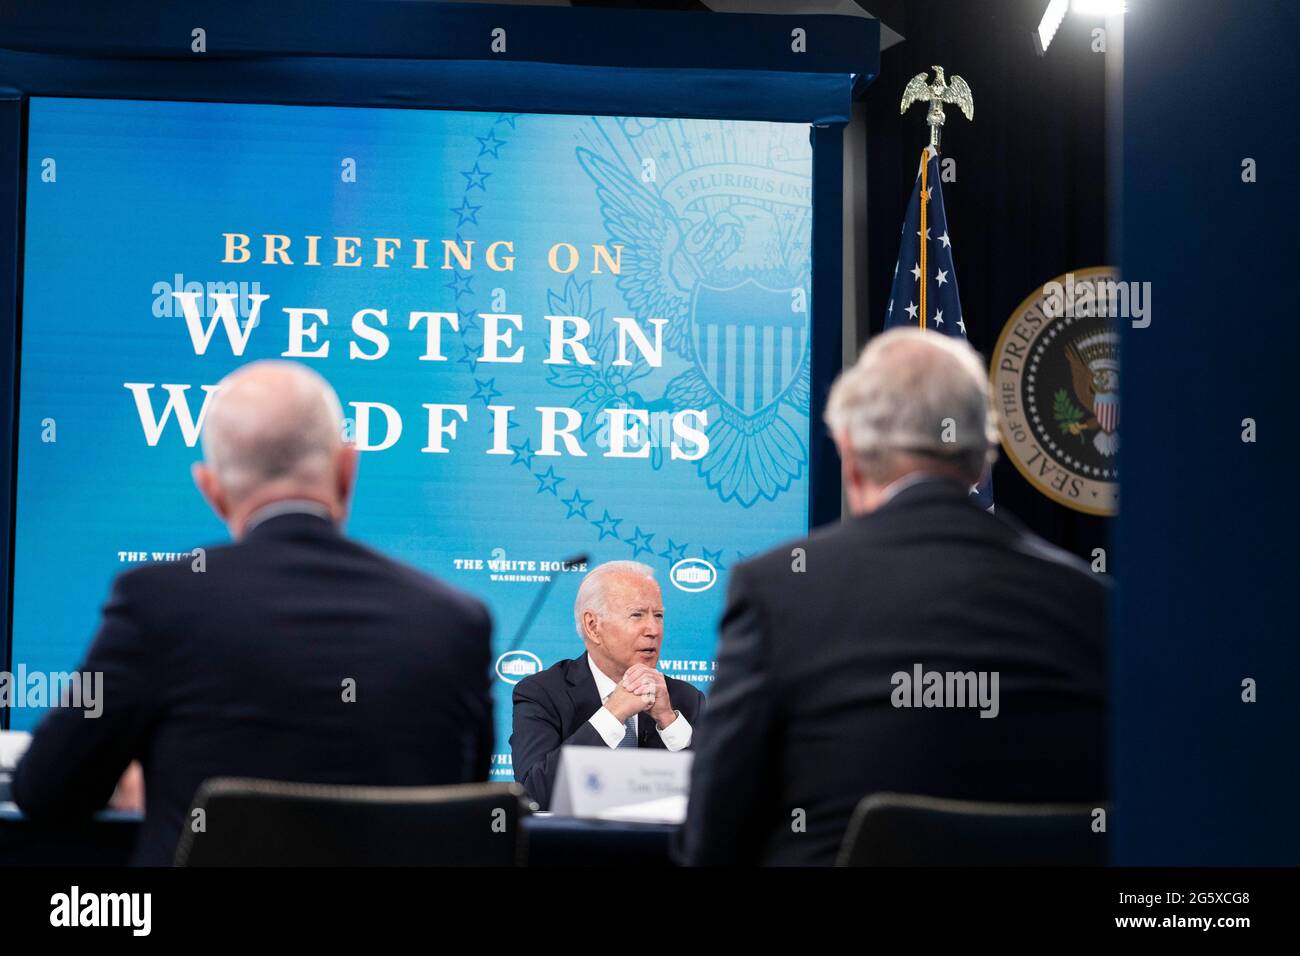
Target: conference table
[(108, 838)]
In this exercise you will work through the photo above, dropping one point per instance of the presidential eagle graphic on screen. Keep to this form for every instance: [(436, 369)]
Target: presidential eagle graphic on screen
[(719, 247)]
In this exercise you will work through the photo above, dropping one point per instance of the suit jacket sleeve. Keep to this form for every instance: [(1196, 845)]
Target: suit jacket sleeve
[(75, 760), (699, 704), (538, 736), (733, 777)]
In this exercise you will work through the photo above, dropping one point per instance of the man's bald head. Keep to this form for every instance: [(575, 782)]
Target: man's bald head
[(272, 431)]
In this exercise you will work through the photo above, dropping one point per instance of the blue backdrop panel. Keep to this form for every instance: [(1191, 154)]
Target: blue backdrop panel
[(715, 220), (606, 63), (1207, 528)]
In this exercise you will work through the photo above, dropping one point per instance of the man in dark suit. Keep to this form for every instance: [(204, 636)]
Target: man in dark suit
[(613, 695), (293, 654), (824, 691)]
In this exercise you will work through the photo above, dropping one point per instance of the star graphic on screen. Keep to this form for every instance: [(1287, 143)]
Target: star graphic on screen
[(608, 526), (640, 541), (508, 119), (741, 556), (486, 390), (468, 319), (466, 212), (577, 505), (490, 145), (674, 552), (523, 453), (461, 284), (470, 358), (476, 178), (549, 482), (714, 558)]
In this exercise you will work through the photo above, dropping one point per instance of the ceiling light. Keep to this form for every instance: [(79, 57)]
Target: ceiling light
[(1050, 23)]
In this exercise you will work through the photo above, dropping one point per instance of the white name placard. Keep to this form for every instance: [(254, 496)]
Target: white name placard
[(13, 743), (597, 782)]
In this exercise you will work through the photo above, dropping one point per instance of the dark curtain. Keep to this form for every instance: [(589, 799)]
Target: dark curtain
[(1029, 200)]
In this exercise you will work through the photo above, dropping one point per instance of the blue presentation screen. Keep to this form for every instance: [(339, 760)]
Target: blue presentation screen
[(552, 336)]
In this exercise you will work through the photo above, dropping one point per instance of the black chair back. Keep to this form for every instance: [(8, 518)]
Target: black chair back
[(898, 829), (245, 822)]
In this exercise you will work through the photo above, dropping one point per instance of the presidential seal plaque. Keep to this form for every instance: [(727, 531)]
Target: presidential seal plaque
[(1055, 374)]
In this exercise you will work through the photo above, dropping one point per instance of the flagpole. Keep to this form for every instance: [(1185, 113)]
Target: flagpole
[(925, 169)]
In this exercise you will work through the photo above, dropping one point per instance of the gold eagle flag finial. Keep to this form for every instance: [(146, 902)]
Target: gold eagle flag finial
[(936, 94)]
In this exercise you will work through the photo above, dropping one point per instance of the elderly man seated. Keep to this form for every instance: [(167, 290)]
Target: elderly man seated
[(294, 653), (611, 696)]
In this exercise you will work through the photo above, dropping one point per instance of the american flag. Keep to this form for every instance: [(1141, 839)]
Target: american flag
[(929, 301)]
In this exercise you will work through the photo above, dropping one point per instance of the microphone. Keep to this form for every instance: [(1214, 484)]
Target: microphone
[(539, 600)]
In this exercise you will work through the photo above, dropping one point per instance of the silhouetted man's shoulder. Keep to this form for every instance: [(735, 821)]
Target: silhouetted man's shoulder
[(444, 594), (221, 573), (183, 580), (800, 555), (1069, 566)]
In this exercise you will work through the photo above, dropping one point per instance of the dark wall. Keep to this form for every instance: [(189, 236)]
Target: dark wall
[(1208, 525), (1029, 201)]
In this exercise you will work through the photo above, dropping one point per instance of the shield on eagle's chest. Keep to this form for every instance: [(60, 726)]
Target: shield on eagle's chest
[(1105, 405), (749, 342)]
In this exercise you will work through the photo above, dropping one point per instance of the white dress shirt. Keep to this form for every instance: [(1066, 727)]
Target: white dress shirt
[(676, 736)]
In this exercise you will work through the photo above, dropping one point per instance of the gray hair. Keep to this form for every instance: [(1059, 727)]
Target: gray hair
[(271, 421), (915, 395), (593, 591)]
